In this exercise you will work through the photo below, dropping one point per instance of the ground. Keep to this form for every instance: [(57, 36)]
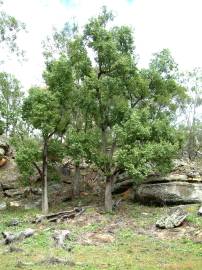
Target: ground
[(124, 240)]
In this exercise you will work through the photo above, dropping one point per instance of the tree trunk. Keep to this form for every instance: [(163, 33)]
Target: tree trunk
[(76, 183), (108, 194), (45, 179)]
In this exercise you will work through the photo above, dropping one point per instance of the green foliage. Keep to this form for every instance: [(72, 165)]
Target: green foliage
[(10, 102), (115, 94), (164, 64), (27, 152), (41, 109), (56, 150), (9, 29), (2, 127), (146, 143)]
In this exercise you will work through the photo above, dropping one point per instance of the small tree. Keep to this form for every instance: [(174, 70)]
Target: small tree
[(41, 109)]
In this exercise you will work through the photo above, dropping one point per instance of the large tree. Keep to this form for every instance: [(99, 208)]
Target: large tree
[(114, 94)]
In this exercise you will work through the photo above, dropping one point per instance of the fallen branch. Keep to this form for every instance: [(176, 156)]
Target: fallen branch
[(60, 216), (11, 237)]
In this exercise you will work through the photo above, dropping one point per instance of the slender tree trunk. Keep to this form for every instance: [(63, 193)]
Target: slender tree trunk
[(45, 179), (76, 183), (108, 194)]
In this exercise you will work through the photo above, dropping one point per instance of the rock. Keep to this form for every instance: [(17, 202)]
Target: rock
[(8, 186), (3, 206), (200, 211), (15, 204), (2, 152), (9, 175), (169, 178), (14, 193), (170, 193), (173, 219), (32, 205), (13, 222)]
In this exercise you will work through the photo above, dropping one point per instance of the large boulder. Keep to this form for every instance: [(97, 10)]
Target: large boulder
[(182, 186), (170, 193)]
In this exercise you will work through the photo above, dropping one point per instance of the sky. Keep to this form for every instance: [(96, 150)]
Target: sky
[(157, 24)]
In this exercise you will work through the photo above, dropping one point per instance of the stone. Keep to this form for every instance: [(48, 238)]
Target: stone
[(32, 205), (168, 178), (13, 222), (2, 152), (15, 204), (13, 193), (8, 186), (3, 206), (9, 175), (200, 211), (173, 219), (169, 193)]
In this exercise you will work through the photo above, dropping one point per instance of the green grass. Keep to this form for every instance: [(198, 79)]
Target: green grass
[(132, 249)]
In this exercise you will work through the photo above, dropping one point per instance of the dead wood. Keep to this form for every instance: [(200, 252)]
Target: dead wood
[(60, 216), (12, 237)]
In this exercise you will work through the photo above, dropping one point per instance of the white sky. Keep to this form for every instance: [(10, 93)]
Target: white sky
[(158, 24)]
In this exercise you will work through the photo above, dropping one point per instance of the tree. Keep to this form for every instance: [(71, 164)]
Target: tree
[(68, 47), (114, 93), (41, 109), (191, 112), (10, 102), (164, 64), (9, 30)]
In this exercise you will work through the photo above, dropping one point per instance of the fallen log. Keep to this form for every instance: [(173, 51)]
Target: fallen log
[(60, 216), (11, 237), (59, 236)]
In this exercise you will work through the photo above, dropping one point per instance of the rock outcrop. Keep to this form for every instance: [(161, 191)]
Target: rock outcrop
[(182, 186)]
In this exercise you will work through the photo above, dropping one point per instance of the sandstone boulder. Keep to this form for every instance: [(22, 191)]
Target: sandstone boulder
[(174, 218), (183, 185), (170, 193)]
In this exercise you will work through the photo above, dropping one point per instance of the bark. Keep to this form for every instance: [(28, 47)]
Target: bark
[(108, 194), (45, 179), (76, 183)]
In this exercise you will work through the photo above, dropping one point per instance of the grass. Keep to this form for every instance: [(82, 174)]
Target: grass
[(133, 247)]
